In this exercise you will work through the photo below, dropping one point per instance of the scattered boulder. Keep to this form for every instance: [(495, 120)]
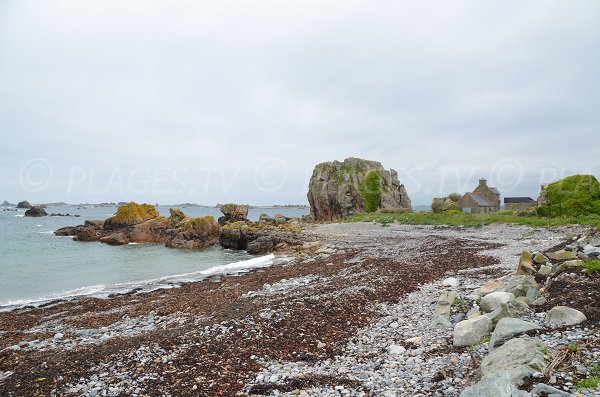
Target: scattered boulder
[(258, 238), (495, 300), (561, 255), (492, 286), (338, 189), (526, 264), (540, 258), (469, 332), (514, 308), (519, 285), (563, 315), (441, 314), (509, 327), (36, 212), (521, 358), (543, 389), (498, 384), (24, 204)]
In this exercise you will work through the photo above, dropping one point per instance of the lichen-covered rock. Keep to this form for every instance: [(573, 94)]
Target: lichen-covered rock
[(233, 213), (258, 238), (176, 215), (36, 212), (338, 189), (131, 214), (196, 233)]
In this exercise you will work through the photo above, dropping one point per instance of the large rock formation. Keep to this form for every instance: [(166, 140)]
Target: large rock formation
[(233, 213), (24, 204), (36, 212), (338, 189), (259, 237), (141, 223)]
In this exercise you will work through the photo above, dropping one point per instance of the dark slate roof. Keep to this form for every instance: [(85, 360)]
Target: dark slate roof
[(513, 200), (482, 201), (494, 190)]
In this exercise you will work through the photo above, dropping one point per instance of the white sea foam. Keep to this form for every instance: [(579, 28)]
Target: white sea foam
[(47, 232), (174, 281), (20, 215)]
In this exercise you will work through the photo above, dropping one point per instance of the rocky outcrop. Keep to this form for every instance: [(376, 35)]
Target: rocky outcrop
[(233, 213), (259, 237), (24, 204), (141, 223), (6, 204), (338, 189), (36, 212), (131, 214)]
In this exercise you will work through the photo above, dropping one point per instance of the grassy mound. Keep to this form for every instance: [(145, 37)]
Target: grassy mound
[(131, 214), (576, 195), (371, 191)]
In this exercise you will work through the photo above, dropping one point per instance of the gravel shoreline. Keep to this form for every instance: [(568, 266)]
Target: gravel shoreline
[(332, 321)]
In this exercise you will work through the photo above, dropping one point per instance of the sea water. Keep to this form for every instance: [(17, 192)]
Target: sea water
[(36, 266)]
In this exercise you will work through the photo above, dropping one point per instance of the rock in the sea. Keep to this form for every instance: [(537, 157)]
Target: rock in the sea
[(195, 233), (131, 214), (36, 212), (258, 238), (563, 315), (24, 204), (469, 332), (118, 238), (509, 327), (6, 204), (497, 384), (338, 189), (233, 213)]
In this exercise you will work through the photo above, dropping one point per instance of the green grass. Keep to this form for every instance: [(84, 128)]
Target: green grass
[(481, 342), (574, 347), (592, 266), (371, 191), (473, 220), (589, 383), (460, 302)]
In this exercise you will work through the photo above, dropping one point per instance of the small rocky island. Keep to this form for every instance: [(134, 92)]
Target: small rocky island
[(141, 223)]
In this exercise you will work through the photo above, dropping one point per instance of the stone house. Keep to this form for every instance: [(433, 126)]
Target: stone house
[(483, 200), (519, 203)]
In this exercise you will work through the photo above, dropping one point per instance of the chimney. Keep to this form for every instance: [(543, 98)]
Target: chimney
[(482, 182)]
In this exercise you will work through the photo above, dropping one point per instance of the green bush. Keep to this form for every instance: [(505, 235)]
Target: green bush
[(575, 195), (589, 383), (592, 266), (371, 191)]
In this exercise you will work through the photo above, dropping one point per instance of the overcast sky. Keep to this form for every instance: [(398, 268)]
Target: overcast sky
[(215, 101)]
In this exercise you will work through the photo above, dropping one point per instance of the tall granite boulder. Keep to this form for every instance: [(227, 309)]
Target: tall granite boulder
[(233, 213), (338, 189)]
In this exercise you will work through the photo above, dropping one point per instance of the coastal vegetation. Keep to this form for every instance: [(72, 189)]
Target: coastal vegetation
[(575, 195), (455, 218), (371, 191)]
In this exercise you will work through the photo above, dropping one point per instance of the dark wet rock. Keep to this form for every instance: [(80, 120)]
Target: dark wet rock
[(258, 238), (115, 239), (36, 212), (24, 204)]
